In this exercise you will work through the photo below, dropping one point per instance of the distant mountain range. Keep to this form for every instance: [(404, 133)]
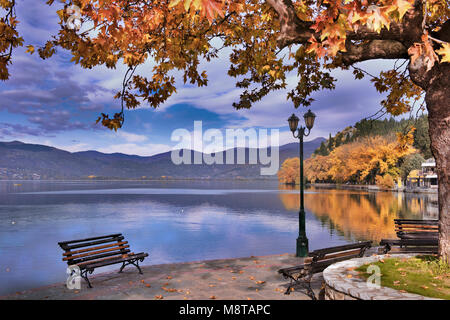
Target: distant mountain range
[(22, 161)]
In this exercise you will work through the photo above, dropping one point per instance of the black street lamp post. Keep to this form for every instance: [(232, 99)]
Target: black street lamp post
[(302, 240)]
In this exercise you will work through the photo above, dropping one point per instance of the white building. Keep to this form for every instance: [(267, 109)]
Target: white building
[(429, 173)]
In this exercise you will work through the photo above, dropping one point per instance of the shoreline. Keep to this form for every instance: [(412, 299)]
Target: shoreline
[(371, 188)]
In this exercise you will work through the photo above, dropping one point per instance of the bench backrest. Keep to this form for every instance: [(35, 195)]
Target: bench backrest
[(416, 229), (322, 258), (84, 251)]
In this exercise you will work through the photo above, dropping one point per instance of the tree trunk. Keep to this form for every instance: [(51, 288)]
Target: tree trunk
[(438, 104)]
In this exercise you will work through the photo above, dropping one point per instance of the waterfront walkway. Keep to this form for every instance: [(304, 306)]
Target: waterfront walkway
[(236, 279)]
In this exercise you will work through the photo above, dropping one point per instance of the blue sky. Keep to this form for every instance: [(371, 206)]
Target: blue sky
[(55, 102)]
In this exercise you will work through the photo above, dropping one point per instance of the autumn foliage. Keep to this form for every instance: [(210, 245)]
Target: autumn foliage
[(289, 172), (176, 35), (359, 162)]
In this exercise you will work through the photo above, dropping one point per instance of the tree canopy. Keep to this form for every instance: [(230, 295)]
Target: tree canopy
[(177, 34)]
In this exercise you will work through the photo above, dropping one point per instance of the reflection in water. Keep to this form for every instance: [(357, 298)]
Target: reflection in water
[(356, 214), (181, 221)]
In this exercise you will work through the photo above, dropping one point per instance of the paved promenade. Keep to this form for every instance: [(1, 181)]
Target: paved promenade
[(236, 279)]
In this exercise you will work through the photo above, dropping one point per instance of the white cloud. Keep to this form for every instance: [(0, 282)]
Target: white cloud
[(131, 137)]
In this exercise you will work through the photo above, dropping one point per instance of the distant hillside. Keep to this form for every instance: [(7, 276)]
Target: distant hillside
[(19, 160), (385, 127)]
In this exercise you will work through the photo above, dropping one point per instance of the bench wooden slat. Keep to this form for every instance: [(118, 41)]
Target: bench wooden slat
[(119, 259), (341, 254), (90, 239), (94, 248), (409, 242), (93, 243), (323, 264), (340, 248), (418, 249), (83, 264), (95, 252), (116, 253), (413, 226)]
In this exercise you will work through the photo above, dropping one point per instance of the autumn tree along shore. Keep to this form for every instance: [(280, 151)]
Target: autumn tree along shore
[(312, 36)]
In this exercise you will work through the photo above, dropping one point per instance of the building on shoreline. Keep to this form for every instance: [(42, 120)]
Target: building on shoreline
[(424, 178)]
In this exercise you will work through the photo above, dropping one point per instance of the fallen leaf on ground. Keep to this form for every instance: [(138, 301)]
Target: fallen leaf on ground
[(212, 285), (260, 282), (169, 277), (148, 285), (424, 287), (213, 297), (159, 297), (349, 276), (252, 278)]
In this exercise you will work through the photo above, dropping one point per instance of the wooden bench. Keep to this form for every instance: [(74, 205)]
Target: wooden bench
[(416, 229), (319, 260), (91, 253), (408, 246)]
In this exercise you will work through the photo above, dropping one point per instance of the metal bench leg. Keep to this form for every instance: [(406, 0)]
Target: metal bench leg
[(291, 284), (309, 291), (134, 263), (85, 277), (305, 283)]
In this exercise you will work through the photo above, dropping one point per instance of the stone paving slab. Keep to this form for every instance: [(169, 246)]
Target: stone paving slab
[(249, 278)]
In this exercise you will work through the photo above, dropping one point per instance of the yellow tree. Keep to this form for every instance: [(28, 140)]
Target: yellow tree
[(359, 161), (289, 172), (318, 35)]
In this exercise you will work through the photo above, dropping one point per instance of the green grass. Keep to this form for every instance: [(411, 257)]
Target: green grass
[(425, 275)]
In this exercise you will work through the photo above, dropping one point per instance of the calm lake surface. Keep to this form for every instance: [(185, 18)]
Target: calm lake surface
[(183, 221)]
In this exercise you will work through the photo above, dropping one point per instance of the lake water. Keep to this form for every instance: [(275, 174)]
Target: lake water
[(183, 221)]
